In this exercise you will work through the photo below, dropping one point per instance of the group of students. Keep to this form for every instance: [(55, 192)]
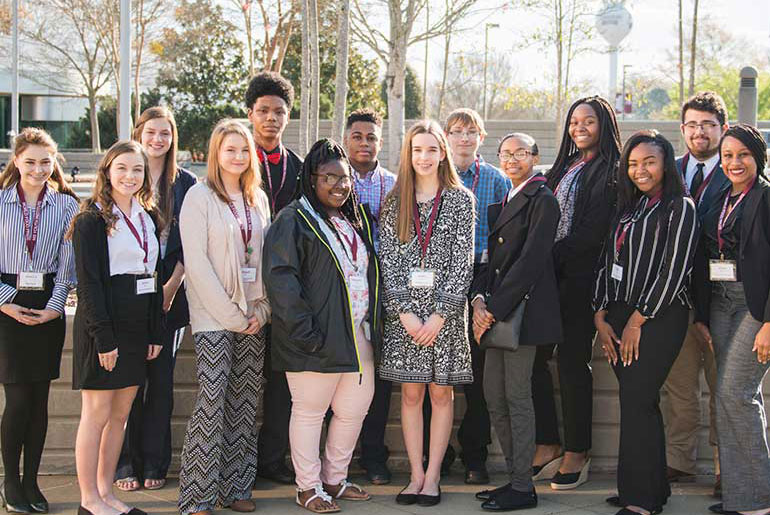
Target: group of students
[(312, 285)]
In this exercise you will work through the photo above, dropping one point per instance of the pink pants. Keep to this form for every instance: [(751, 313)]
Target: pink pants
[(312, 393)]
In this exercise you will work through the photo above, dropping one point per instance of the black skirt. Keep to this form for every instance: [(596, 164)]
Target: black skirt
[(131, 327), (30, 353)]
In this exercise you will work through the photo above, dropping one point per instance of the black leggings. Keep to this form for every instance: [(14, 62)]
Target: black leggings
[(24, 426)]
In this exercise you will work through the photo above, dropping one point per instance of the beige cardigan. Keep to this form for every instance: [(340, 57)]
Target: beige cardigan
[(213, 282)]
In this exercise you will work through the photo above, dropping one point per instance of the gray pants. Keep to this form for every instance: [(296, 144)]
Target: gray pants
[(508, 392), (743, 451)]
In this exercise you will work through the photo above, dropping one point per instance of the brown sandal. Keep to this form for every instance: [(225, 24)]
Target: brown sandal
[(347, 491), (319, 502)]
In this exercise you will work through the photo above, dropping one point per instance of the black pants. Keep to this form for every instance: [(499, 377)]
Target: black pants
[(546, 423), (273, 442), (146, 451), (24, 427), (373, 448), (642, 455)]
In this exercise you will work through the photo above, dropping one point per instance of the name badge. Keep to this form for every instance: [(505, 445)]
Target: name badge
[(617, 272), (422, 278), (484, 256), (29, 281), (357, 283), (146, 285), (248, 274), (723, 270), (367, 331)]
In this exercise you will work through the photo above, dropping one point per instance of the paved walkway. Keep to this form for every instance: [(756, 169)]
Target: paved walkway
[(457, 498)]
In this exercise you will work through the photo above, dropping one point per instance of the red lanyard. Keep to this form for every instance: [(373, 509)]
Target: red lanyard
[(724, 215), (620, 233), (30, 233), (424, 242), (352, 243), (266, 163), (245, 232), (141, 241), (476, 177), (573, 169), (534, 178)]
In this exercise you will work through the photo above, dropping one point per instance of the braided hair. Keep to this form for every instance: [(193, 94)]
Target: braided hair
[(325, 151), (752, 138)]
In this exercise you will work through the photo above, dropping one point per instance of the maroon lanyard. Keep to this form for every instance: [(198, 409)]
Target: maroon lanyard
[(534, 178), (263, 158), (705, 182), (141, 241), (725, 213), (622, 229), (353, 244), (476, 176), (245, 232), (424, 242), (30, 226)]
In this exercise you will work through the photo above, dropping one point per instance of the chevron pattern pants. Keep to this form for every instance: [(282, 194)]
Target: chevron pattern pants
[(219, 457)]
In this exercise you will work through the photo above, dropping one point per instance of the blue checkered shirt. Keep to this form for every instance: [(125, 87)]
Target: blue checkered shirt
[(372, 190), (492, 188)]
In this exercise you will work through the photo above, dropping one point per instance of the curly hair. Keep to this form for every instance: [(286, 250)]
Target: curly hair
[(269, 83), (709, 102), (366, 114)]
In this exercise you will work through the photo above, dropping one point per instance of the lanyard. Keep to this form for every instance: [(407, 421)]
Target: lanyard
[(725, 214), (424, 242), (572, 170), (30, 233), (266, 163), (476, 176), (352, 243), (622, 230), (696, 197), (141, 241), (534, 178), (245, 232)]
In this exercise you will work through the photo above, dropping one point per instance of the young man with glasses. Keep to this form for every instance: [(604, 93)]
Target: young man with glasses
[(704, 120)]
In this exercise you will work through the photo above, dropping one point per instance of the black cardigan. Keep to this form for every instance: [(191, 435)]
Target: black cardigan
[(93, 318), (753, 255)]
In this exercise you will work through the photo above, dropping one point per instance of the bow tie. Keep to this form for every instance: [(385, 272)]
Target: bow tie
[(275, 157)]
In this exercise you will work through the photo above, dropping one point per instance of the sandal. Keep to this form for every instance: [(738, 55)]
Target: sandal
[(127, 484), (154, 484), (347, 491), (324, 502)]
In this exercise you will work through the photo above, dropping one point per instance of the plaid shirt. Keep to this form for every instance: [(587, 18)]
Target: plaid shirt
[(372, 190), (491, 188)]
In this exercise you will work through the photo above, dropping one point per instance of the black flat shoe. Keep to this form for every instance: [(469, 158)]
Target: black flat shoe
[(486, 495), (429, 500), (83, 511), (39, 507), (719, 508), (511, 500), (614, 501), (14, 507), (278, 473), (476, 477), (406, 499)]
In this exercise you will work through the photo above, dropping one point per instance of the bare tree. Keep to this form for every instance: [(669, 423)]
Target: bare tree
[(147, 14), (278, 19), (693, 47), (74, 48), (304, 109), (341, 77), (391, 48), (315, 71), (681, 55)]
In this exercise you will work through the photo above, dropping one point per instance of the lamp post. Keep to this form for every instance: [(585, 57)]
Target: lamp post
[(124, 127), (486, 53), (15, 71)]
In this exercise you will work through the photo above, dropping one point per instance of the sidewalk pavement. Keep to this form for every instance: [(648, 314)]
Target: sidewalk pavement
[(457, 498)]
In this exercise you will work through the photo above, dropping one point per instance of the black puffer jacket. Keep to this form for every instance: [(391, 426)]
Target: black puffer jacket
[(312, 325)]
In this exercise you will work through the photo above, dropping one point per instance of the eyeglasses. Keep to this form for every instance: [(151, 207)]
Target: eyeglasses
[(706, 126), (331, 179), (471, 134), (519, 155)]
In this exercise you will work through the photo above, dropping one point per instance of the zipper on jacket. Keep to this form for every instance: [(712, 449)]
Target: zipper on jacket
[(347, 294)]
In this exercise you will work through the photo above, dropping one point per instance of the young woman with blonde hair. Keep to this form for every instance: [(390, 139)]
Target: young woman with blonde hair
[(223, 222), (427, 263), (118, 319), (37, 272)]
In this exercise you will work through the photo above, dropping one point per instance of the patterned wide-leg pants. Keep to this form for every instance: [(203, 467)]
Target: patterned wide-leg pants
[(219, 457)]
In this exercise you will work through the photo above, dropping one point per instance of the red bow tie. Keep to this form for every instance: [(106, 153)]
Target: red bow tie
[(274, 158)]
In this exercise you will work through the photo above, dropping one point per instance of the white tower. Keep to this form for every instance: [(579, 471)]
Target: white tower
[(614, 22)]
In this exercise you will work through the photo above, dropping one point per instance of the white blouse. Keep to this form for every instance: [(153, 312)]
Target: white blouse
[(126, 254)]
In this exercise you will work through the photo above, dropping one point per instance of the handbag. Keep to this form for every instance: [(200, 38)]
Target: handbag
[(505, 334)]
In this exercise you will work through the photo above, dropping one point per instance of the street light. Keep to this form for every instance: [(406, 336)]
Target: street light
[(486, 52)]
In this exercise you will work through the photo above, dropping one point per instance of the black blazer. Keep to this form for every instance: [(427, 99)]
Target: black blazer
[(577, 255), (521, 261), (179, 314), (94, 316), (716, 187), (753, 255)]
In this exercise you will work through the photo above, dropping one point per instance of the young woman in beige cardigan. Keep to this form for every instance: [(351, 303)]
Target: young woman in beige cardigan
[(223, 222)]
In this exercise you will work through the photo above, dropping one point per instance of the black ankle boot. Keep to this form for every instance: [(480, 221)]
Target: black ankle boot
[(37, 500), (14, 500)]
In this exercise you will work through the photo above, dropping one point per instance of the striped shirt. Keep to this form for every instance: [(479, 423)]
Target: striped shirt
[(53, 253), (656, 258), (371, 190), (492, 188)]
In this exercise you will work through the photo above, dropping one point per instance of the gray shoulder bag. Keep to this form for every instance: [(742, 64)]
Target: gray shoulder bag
[(505, 334)]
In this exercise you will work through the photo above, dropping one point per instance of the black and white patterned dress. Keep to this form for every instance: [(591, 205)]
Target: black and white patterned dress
[(450, 254)]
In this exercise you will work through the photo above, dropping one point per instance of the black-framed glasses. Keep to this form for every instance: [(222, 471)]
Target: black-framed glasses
[(708, 125), (519, 155), (331, 179)]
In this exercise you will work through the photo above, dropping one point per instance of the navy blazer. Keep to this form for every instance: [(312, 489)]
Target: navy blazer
[(713, 191)]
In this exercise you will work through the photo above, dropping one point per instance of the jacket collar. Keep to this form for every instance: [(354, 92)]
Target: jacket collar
[(517, 203), (753, 201)]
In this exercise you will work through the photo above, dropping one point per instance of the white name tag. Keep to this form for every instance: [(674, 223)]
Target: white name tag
[(146, 285), (422, 278), (357, 283), (367, 331), (617, 272), (484, 256), (29, 281), (249, 274), (723, 270)]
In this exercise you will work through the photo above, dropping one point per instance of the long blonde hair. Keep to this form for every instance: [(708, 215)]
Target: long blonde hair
[(250, 180), (30, 136), (102, 192), (166, 182), (403, 191)]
